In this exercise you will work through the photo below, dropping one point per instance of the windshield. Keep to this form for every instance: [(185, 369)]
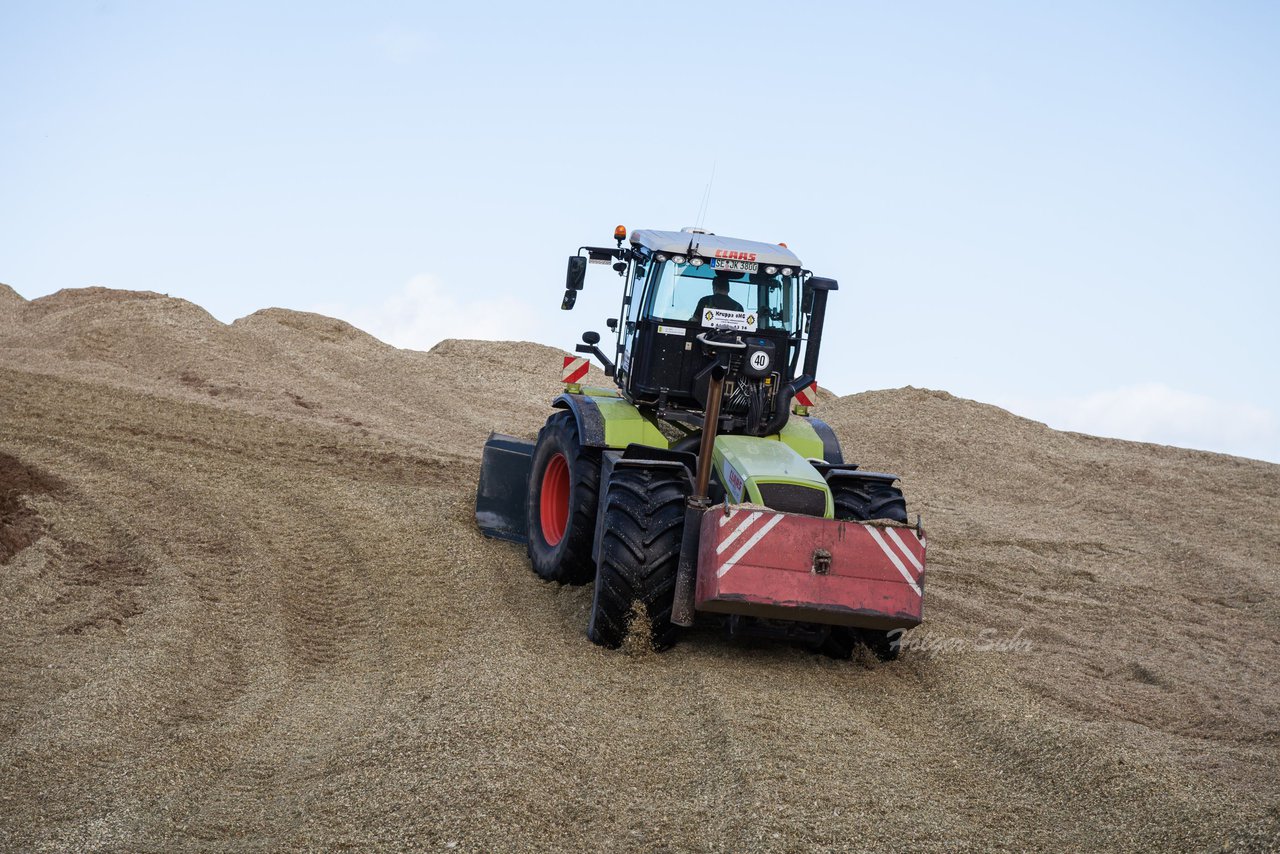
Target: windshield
[(702, 295)]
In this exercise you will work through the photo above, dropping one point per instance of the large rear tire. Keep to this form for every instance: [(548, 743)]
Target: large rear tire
[(639, 555), (862, 501), (564, 486)]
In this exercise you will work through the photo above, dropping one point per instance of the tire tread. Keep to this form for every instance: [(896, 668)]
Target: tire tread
[(639, 555)]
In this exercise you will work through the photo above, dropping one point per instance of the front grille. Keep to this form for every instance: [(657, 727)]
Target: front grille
[(791, 498)]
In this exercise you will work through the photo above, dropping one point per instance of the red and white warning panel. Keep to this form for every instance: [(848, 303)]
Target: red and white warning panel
[(575, 369), (807, 396), (759, 563)]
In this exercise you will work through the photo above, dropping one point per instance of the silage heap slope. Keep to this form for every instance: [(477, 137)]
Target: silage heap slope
[(247, 609), (286, 364)]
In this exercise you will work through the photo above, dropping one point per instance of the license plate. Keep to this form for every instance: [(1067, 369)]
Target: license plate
[(735, 265)]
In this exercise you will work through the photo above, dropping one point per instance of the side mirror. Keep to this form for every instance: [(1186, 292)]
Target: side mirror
[(592, 338), (577, 273), (612, 323)]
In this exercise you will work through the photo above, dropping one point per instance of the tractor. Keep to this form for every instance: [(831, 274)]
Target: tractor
[(700, 488)]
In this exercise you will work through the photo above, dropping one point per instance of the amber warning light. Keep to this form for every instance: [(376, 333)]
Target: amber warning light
[(620, 233)]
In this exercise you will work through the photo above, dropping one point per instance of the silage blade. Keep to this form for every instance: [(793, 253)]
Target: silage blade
[(504, 485)]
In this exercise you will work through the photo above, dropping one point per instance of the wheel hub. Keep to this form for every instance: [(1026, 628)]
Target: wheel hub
[(554, 499)]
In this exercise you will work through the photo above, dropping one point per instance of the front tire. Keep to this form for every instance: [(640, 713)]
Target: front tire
[(639, 555), (564, 486), (864, 500), (842, 640)]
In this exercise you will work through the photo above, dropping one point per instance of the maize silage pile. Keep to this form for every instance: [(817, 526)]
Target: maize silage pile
[(246, 609)]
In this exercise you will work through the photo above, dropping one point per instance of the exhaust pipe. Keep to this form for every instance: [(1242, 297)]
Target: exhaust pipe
[(820, 288)]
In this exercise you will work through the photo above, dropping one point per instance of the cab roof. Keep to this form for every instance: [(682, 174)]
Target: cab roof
[(705, 245)]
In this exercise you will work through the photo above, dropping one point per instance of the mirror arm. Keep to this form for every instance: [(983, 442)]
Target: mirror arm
[(593, 350)]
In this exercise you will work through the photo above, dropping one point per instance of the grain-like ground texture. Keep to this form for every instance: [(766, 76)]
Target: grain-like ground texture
[(245, 608)]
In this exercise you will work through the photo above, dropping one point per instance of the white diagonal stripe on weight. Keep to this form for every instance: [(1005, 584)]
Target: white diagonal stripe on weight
[(906, 552), (889, 553), (737, 532), (748, 545)]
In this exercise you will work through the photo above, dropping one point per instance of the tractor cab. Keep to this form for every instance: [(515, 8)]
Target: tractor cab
[(693, 300)]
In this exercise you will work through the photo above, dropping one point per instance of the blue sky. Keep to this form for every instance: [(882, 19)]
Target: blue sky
[(1071, 210)]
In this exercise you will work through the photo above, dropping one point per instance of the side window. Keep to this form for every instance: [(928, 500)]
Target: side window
[(644, 271)]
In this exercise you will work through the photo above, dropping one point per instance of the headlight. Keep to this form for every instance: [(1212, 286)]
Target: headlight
[(787, 271), (771, 270), (697, 262), (679, 259)]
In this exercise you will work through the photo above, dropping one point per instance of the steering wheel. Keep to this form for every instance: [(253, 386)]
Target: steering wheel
[(726, 345)]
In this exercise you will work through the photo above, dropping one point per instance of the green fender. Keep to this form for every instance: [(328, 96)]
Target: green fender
[(800, 436), (608, 421)]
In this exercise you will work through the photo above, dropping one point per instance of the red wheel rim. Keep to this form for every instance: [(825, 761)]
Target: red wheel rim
[(554, 499)]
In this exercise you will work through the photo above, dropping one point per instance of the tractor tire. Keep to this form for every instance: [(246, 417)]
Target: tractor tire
[(862, 501), (842, 641), (639, 555), (839, 643), (564, 487)]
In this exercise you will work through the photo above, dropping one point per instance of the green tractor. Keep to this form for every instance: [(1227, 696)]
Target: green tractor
[(700, 488)]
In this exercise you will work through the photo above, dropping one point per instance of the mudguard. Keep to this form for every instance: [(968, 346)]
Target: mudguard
[(610, 422), (801, 436), (830, 444)]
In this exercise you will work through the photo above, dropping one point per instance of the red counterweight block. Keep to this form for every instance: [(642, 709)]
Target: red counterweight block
[(756, 562)]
